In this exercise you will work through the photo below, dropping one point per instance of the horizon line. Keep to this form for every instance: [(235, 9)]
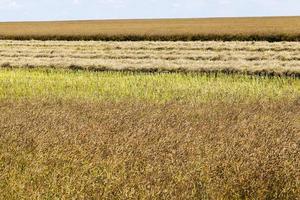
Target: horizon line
[(162, 18)]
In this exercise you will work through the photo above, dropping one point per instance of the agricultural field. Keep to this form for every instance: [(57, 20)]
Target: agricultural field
[(81, 134), (252, 58), (230, 29), (150, 119)]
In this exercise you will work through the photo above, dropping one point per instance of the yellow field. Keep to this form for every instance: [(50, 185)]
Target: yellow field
[(266, 28)]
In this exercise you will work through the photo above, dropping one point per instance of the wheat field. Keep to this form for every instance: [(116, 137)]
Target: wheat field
[(262, 58), (257, 28)]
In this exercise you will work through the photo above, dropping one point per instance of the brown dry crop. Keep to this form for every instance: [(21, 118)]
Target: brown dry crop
[(259, 28), (109, 135), (138, 150)]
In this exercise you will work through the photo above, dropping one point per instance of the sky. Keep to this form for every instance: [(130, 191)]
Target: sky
[(43, 10)]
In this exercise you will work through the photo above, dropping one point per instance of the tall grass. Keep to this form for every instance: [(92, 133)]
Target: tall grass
[(113, 135), (139, 150)]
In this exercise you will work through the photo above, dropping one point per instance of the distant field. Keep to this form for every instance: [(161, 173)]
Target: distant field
[(263, 28), (252, 58)]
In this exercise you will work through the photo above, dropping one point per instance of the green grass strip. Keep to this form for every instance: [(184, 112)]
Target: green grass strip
[(159, 87)]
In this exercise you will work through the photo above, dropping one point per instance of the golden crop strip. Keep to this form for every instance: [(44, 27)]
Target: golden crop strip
[(258, 28), (262, 58)]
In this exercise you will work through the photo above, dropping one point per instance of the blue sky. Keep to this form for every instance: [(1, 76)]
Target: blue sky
[(23, 10)]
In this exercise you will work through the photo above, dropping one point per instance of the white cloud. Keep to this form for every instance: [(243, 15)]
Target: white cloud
[(176, 5), (110, 1), (225, 2), (113, 3), (76, 2), (8, 4)]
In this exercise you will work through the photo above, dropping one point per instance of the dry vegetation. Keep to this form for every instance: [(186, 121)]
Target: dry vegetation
[(263, 58), (139, 150), (109, 135), (69, 130), (266, 28)]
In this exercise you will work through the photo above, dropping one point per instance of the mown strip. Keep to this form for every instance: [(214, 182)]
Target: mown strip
[(248, 58)]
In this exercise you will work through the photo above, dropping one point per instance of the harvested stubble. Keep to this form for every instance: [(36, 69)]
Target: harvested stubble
[(148, 136), (252, 58), (259, 28)]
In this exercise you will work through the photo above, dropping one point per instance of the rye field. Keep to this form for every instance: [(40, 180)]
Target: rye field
[(149, 119), (223, 29)]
